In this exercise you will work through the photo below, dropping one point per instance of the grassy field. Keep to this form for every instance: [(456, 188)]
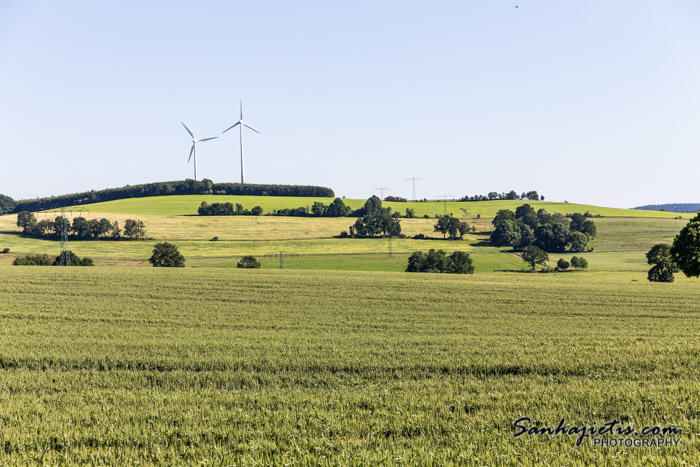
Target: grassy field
[(187, 205), (124, 366), (620, 245)]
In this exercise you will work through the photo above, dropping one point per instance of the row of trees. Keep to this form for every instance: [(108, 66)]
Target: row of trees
[(80, 227), (458, 262), (511, 195), (337, 208), (683, 255), (448, 224), (227, 209), (183, 187), (549, 232), (46, 260)]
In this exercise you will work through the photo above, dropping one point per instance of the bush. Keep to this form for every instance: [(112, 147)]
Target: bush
[(166, 255), (248, 262), (33, 260), (5, 250), (214, 239), (75, 260)]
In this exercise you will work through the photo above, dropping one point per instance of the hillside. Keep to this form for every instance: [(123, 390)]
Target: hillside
[(181, 205)]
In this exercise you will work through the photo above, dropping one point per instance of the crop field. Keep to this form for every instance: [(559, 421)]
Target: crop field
[(222, 366), (181, 205)]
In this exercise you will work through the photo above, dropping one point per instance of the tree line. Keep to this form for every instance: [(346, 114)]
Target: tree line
[(7, 204), (80, 228), (549, 232), (336, 208), (511, 195), (183, 187)]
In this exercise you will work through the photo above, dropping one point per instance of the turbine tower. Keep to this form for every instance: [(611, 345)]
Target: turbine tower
[(240, 125), (193, 151)]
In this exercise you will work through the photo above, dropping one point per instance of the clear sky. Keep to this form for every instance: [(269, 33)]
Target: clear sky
[(589, 101)]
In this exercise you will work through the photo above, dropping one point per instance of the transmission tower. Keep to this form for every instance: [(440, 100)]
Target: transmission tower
[(381, 191), (414, 180), (65, 250), (444, 198)]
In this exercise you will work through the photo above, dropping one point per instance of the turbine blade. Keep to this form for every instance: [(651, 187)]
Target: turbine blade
[(188, 130), (232, 126), (250, 127), (241, 109), (191, 151), (207, 139)]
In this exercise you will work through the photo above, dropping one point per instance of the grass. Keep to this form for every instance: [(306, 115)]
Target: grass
[(621, 243), (187, 205), (223, 366)]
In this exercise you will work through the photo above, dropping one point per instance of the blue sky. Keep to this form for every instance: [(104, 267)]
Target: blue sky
[(595, 102)]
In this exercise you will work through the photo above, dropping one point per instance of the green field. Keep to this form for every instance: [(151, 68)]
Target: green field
[(181, 205), (134, 365), (311, 243)]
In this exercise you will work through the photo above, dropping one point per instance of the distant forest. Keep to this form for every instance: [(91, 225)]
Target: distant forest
[(186, 187), (673, 207)]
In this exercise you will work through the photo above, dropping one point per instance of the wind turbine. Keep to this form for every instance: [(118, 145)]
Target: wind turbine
[(193, 151), (240, 125)]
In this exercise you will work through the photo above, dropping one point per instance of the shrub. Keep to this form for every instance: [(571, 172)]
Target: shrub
[(248, 262), (75, 260), (33, 260), (214, 239), (5, 250), (166, 255)]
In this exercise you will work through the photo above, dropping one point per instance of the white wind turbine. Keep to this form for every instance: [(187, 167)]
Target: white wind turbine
[(240, 125), (193, 151)]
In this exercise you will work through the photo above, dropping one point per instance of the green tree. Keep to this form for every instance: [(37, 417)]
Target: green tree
[(166, 255), (81, 227), (248, 262), (579, 263), (662, 263), (134, 229), (338, 209), (459, 262), (319, 209), (507, 233), (562, 264), (576, 242), (410, 213), (257, 211), (686, 248), (26, 221), (7, 204), (534, 256)]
